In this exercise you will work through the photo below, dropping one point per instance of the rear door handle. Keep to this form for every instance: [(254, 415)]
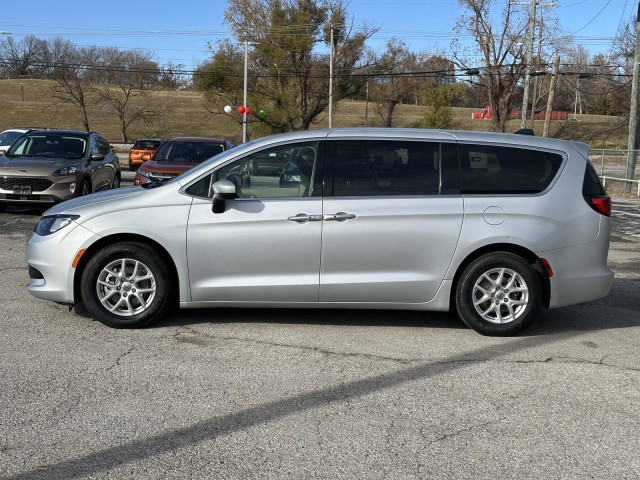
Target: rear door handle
[(304, 218), (339, 217)]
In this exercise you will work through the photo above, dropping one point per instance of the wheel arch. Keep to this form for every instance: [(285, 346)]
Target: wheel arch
[(530, 257), (119, 238)]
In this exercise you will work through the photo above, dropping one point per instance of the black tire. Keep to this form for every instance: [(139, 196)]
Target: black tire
[(132, 168), (85, 188), (116, 182), (499, 294), (3, 207), (136, 299)]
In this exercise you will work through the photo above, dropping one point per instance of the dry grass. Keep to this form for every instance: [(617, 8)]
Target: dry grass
[(29, 103)]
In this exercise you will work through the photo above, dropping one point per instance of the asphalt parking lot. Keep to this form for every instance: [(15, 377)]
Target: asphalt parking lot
[(312, 394)]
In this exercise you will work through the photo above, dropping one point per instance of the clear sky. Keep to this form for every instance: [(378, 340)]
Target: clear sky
[(179, 31)]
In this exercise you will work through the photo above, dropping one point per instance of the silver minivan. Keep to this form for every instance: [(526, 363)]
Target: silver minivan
[(495, 226)]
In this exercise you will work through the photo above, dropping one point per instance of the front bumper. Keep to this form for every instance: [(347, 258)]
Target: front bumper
[(50, 260)]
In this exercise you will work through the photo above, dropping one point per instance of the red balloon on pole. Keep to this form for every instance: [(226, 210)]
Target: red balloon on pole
[(241, 110), (247, 111)]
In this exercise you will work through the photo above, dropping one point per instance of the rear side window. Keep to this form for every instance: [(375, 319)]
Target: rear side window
[(103, 146), (386, 167), (488, 169)]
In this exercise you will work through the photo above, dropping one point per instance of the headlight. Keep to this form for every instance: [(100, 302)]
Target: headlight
[(291, 178), (61, 172), (51, 224), (144, 173)]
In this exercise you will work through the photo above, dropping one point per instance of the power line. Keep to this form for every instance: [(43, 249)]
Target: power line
[(320, 72)]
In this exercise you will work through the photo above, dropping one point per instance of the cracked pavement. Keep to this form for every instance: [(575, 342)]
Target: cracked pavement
[(316, 394)]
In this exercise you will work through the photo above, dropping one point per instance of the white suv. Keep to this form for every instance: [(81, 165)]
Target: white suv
[(495, 226), (9, 136)]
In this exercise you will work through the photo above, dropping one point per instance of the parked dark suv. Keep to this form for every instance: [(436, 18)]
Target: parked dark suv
[(44, 167)]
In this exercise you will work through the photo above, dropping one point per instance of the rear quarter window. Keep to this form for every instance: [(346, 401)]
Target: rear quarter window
[(489, 169)]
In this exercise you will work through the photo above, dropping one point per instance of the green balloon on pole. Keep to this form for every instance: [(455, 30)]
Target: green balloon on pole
[(262, 112)]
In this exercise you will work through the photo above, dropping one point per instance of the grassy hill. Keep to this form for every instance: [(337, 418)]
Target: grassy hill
[(29, 103)]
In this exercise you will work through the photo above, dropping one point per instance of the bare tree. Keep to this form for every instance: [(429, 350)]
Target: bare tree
[(55, 54), (122, 77), (171, 76), (625, 42), (393, 80), (22, 58), (501, 47), (73, 75)]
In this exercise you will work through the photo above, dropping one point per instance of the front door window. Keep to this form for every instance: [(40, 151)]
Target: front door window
[(285, 171)]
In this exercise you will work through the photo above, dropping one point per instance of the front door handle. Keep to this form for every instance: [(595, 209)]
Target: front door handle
[(304, 218), (339, 217)]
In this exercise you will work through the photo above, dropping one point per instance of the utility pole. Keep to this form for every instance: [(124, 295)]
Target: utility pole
[(366, 106), (331, 76), (535, 80), (552, 93), (244, 101), (632, 144), (527, 78), (531, 33)]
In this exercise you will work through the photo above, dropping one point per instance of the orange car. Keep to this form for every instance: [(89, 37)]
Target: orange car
[(140, 147), (176, 156)]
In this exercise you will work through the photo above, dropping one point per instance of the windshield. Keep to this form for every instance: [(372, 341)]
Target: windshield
[(147, 144), (56, 146), (191, 152)]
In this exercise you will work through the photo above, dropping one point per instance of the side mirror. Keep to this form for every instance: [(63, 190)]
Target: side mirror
[(223, 190), (96, 157)]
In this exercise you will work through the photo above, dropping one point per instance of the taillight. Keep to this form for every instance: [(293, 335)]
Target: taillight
[(594, 193), (600, 203)]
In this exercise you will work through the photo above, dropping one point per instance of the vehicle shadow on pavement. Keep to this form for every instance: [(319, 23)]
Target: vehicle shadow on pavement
[(356, 318), (592, 316)]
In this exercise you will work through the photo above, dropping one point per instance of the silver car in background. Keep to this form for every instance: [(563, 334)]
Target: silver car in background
[(495, 226)]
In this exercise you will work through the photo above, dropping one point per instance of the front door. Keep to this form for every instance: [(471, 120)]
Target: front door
[(265, 247)]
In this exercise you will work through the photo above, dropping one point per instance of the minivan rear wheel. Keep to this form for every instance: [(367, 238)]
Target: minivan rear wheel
[(126, 285), (499, 294)]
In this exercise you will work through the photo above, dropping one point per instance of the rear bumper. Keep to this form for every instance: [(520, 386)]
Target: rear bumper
[(580, 273)]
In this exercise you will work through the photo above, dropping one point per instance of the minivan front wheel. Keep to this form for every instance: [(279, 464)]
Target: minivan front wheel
[(126, 285), (499, 294)]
